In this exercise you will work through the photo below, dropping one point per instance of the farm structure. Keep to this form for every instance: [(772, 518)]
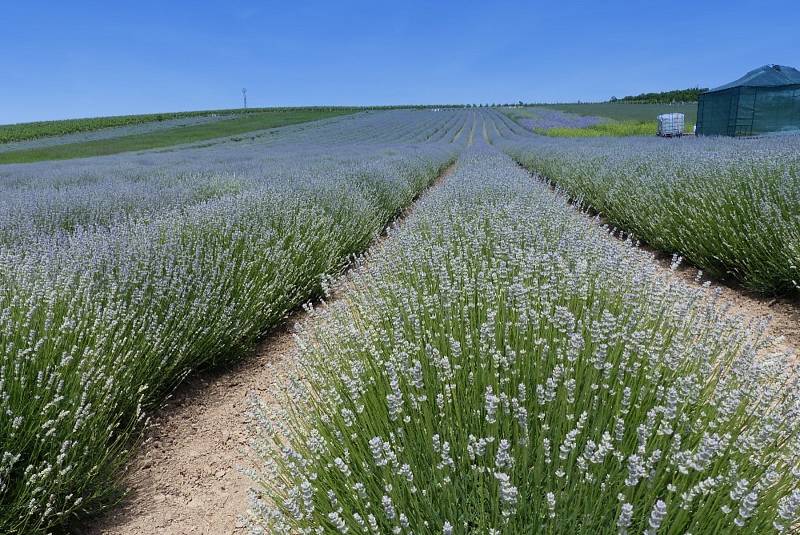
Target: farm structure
[(762, 101)]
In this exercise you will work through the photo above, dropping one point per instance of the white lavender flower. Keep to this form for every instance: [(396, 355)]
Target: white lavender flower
[(747, 506), (503, 458), (508, 493), (624, 518), (657, 515), (388, 507), (338, 522), (492, 402)]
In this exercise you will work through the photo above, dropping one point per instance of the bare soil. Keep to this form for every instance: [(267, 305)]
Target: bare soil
[(186, 478), (783, 312)]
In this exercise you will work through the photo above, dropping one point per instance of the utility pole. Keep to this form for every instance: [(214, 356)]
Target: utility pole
[(244, 96)]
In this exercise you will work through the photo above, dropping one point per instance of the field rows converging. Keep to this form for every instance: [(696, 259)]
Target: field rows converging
[(503, 363), (499, 362), (191, 475), (108, 300)]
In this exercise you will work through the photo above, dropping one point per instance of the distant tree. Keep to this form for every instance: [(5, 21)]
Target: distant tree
[(613, 99), (665, 97)]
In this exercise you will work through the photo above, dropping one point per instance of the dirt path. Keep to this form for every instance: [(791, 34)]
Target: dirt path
[(186, 479), (783, 313)]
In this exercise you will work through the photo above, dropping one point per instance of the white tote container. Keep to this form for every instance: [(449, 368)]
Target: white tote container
[(670, 124)]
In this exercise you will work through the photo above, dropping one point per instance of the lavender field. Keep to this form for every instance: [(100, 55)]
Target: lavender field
[(501, 363), (121, 275), (730, 206), (506, 366)]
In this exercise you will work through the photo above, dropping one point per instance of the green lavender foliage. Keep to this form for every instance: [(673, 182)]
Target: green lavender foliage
[(504, 366), (731, 207)]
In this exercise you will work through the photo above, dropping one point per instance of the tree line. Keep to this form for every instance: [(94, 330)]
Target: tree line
[(664, 97)]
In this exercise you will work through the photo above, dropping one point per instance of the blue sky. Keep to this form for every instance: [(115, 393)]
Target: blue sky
[(83, 58)]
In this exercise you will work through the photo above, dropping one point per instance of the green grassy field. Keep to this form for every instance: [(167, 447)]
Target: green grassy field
[(629, 112), (616, 129), (172, 136), (10, 133), (627, 119)]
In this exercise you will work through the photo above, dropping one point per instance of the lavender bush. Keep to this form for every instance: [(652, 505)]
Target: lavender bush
[(504, 366), (730, 206), (118, 276)]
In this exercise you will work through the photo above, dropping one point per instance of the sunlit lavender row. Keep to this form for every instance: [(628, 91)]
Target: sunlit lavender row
[(504, 365), (730, 206), (120, 275), (56, 198)]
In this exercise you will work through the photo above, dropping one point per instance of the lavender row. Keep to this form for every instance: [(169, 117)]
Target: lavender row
[(504, 365), (131, 276), (730, 206)]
